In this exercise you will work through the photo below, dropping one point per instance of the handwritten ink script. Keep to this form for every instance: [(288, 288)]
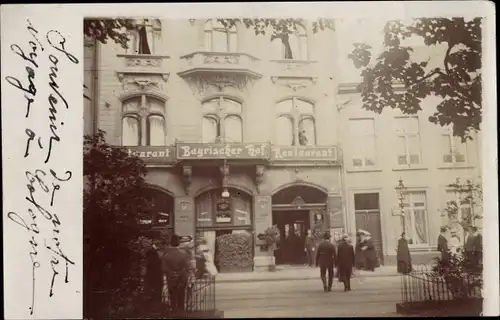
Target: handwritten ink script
[(39, 211)]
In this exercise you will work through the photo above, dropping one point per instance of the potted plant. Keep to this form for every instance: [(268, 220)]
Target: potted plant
[(272, 238)]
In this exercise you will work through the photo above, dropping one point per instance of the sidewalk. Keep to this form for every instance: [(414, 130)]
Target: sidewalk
[(297, 273)]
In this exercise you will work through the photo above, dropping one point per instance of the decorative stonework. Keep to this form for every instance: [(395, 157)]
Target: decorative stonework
[(259, 176), (141, 62), (224, 171), (142, 82), (187, 172), (222, 59), (294, 83), (201, 84)]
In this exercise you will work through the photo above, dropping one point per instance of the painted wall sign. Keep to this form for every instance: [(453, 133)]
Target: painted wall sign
[(222, 151), (315, 153), (153, 155)]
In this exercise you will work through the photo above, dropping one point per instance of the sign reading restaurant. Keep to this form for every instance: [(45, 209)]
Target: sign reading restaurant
[(222, 151), (298, 153), (152, 154)]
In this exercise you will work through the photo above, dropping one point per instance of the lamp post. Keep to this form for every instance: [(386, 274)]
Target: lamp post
[(401, 189)]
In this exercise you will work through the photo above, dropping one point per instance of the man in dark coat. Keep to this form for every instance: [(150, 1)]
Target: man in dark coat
[(403, 255), (345, 262), (326, 256), (153, 279), (473, 247), (176, 264), (443, 244), (310, 248)]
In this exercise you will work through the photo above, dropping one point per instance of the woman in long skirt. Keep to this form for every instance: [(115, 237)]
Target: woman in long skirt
[(403, 255)]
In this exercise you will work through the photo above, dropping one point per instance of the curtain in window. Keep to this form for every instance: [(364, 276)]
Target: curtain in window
[(284, 131), (369, 150), (446, 148), (420, 226), (400, 148), (130, 131), (306, 126), (144, 47), (460, 150), (156, 130), (233, 129), (210, 129), (294, 46)]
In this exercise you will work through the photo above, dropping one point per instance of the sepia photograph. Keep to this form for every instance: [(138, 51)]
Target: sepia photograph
[(258, 167)]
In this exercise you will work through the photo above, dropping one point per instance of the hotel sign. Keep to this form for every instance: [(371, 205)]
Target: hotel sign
[(153, 155), (303, 153), (222, 151)]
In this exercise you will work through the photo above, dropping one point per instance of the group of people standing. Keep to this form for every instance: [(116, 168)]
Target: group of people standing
[(472, 250), (344, 258), (171, 269)]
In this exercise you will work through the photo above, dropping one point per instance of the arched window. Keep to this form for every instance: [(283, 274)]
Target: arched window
[(222, 121), (146, 36), (295, 123), (292, 45), (143, 122), (219, 38)]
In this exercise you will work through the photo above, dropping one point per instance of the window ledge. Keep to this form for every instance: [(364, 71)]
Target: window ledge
[(145, 56), (455, 166), (409, 168), (294, 61), (352, 170)]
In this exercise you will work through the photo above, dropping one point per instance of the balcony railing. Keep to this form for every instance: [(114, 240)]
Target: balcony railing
[(229, 62), (143, 64)]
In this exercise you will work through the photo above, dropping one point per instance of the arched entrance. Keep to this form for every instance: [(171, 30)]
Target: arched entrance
[(297, 209), (217, 216), (158, 218)]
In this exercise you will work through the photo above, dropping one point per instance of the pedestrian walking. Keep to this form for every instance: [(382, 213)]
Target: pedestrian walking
[(153, 278), (443, 244), (359, 254), (176, 266), (477, 247), (369, 251), (310, 248), (345, 262), (403, 255), (326, 256)]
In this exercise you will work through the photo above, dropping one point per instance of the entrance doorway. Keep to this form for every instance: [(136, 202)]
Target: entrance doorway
[(293, 226), (367, 213)]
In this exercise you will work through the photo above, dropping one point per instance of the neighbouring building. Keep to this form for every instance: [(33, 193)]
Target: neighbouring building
[(240, 135)]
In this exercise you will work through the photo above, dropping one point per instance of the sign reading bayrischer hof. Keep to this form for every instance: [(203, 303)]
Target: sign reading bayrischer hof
[(301, 153), (153, 154), (222, 151)]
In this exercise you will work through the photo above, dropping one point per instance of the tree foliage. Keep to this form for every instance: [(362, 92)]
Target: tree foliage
[(469, 195), (103, 30), (457, 82), (114, 194), (280, 29)]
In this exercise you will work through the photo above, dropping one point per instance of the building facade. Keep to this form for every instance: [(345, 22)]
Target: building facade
[(241, 133)]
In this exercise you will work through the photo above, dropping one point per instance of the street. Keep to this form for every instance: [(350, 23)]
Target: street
[(370, 296)]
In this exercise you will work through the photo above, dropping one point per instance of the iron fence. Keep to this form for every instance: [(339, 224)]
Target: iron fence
[(424, 284)]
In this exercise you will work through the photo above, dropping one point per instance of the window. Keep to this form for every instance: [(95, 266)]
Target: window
[(292, 45), (363, 150), (453, 149), (222, 121), (146, 37), (240, 208), (408, 141), (295, 124), (219, 38), (415, 215), (143, 122)]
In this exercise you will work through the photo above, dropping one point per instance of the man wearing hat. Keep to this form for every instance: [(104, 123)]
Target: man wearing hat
[(345, 262), (326, 256)]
